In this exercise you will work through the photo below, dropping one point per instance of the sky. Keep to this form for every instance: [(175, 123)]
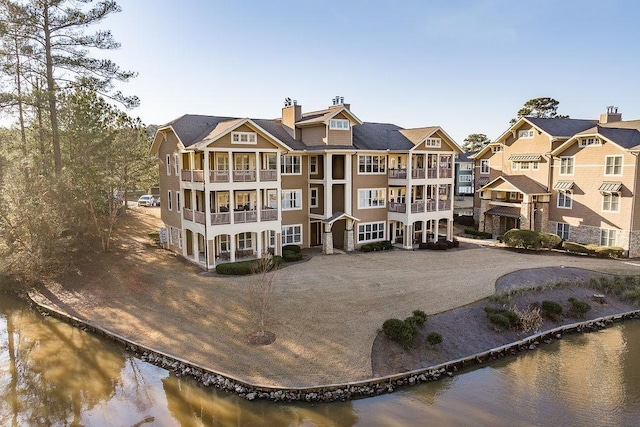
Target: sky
[(466, 66)]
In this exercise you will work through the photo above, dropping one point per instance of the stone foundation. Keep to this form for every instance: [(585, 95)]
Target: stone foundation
[(588, 234)]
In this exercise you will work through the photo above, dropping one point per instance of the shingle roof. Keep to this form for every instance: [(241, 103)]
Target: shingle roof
[(509, 212), (523, 183), (190, 128), (380, 136), (464, 157), (416, 135), (561, 127), (627, 138)]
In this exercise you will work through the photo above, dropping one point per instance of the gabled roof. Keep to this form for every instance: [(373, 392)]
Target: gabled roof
[(627, 138), (465, 157), (521, 183), (338, 216), (417, 135), (316, 117), (561, 128), (380, 136)]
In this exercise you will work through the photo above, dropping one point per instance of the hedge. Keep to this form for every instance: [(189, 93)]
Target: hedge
[(383, 245), (481, 234), (594, 250), (530, 239), (291, 256), (291, 248), (440, 245), (243, 268)]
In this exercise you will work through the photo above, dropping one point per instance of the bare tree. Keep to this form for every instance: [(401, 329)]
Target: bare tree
[(260, 293)]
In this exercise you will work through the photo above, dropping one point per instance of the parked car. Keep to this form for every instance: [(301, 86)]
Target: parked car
[(146, 200), (158, 201)]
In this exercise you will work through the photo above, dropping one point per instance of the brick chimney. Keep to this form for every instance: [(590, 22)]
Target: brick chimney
[(611, 115)]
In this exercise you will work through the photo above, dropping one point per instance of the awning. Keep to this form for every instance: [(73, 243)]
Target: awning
[(563, 185), (483, 181), (504, 211), (525, 157), (610, 187)]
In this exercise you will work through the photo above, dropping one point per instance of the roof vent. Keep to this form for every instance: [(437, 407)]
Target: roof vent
[(287, 102)]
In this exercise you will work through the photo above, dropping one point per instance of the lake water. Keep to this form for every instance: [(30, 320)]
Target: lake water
[(54, 374)]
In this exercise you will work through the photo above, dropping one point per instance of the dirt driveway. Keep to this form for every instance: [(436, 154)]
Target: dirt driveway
[(326, 314)]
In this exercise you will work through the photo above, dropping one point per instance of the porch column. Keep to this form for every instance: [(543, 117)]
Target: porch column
[(434, 229), (259, 205), (449, 229), (277, 250), (408, 236), (195, 246), (259, 237), (206, 167), (258, 166), (348, 235), (232, 247), (327, 240), (408, 197), (424, 231), (348, 186), (328, 184), (230, 154), (232, 207)]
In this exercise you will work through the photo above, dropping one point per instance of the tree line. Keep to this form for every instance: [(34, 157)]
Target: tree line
[(69, 152)]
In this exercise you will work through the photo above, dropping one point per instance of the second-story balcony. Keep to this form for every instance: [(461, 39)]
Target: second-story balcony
[(195, 175), (418, 173), (268, 175), (219, 218), (432, 173), (267, 214), (431, 205), (219, 175), (195, 216), (397, 207), (244, 175), (245, 216), (398, 173), (420, 206), (417, 207), (444, 205), (445, 173)]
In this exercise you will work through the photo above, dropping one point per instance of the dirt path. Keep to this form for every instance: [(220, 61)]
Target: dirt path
[(327, 310)]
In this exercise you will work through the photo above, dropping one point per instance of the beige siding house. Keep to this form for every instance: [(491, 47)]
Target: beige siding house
[(574, 178), (234, 188)]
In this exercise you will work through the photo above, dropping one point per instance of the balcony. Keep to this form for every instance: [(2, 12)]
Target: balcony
[(196, 175), (244, 175), (418, 173), (445, 172), (269, 215), (219, 218), (444, 205), (268, 175), (417, 207), (398, 173), (432, 173), (397, 207), (240, 217), (431, 205), (415, 173), (195, 216), (219, 176)]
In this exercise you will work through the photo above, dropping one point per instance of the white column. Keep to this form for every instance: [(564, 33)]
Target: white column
[(205, 167), (348, 187), (328, 184), (258, 166), (232, 207), (230, 154), (259, 204), (259, 236), (232, 247)]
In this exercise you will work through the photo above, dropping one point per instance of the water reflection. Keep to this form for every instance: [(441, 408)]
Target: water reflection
[(54, 374)]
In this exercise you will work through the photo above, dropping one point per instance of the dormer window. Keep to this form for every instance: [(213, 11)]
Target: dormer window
[(432, 142), (339, 124), (496, 148), (525, 133), (243, 138), (590, 142)]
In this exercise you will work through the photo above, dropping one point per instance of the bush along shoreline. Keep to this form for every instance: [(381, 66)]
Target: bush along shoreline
[(627, 288)]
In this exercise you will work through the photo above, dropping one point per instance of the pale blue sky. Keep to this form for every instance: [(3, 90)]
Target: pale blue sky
[(467, 66)]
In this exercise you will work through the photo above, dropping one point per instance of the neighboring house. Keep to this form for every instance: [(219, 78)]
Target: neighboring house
[(234, 188), (464, 174), (574, 178)]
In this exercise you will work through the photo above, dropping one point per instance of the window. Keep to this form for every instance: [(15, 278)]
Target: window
[(168, 164), (371, 164), (465, 190), (370, 231), (371, 198), (176, 164), (464, 178), (524, 166), (535, 166), (178, 207), (607, 237), (611, 202), (514, 166), (466, 166), (432, 142), (270, 162), (171, 231), (564, 199), (180, 239), (242, 162), (222, 162), (292, 235), (484, 167), (244, 241), (562, 230), (169, 203), (272, 239), (291, 200), (613, 165), (224, 243), (566, 165), (313, 165), (290, 165), (496, 148), (589, 142), (339, 124), (244, 138), (525, 133), (313, 197)]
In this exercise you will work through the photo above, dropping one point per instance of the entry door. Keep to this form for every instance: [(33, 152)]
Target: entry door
[(316, 233)]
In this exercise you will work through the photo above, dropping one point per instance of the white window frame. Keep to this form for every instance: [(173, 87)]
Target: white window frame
[(291, 234), (609, 200), (176, 159), (374, 234), (484, 167), (292, 162), (313, 197), (180, 238), (514, 166), (245, 138), (565, 199), (466, 166), (590, 142), (313, 165), (496, 148), (613, 166), (169, 200), (433, 142), (339, 124), (535, 166), (168, 164), (567, 165), (465, 190), (171, 235), (525, 134), (178, 206), (465, 178), (525, 166), (370, 161), (291, 200), (243, 238), (608, 237), (562, 230), (367, 196)]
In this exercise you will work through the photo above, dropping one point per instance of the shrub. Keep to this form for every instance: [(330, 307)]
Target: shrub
[(514, 319), (407, 334), (579, 308), (481, 234), (499, 321), (530, 319), (366, 248), (595, 250), (490, 310), (576, 248), (421, 315), (609, 252), (383, 245), (290, 256), (551, 309), (392, 328), (386, 245), (434, 338), (291, 248), (550, 241), (527, 239), (242, 268), (423, 246)]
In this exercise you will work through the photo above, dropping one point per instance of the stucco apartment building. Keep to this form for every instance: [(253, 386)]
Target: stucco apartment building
[(575, 178), (233, 188)]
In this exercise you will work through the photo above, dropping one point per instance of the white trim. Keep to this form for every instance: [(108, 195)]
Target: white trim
[(573, 165), (371, 231), (295, 200), (283, 164), (169, 201), (526, 133), (608, 238), (381, 163), (467, 178), (611, 195), (589, 142), (176, 159), (313, 170), (567, 197), (251, 138), (566, 229), (168, 164), (483, 163), (294, 234), (178, 201), (611, 156), (311, 197), (433, 142), (372, 194), (339, 124)]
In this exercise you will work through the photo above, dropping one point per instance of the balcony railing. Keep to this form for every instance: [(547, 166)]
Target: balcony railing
[(195, 175), (418, 173), (268, 175), (432, 173), (187, 214), (244, 175), (199, 217), (218, 218), (444, 205), (446, 173), (269, 215), (245, 216), (397, 207), (398, 173), (417, 207), (431, 205), (219, 176)]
